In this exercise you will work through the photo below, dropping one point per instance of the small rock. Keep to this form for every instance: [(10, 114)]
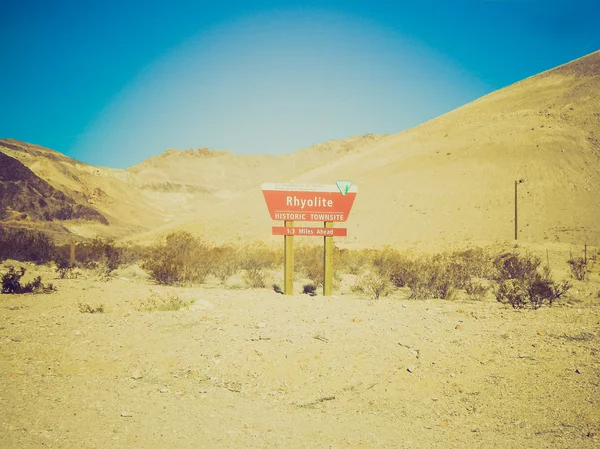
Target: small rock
[(541, 332), (474, 429), (77, 332), (164, 390), (578, 370), (411, 368), (356, 320), (458, 327), (136, 374), (452, 374), (261, 325), (126, 414)]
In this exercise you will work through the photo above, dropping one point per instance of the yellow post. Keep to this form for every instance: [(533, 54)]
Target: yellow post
[(72, 254), (328, 263), (288, 266)]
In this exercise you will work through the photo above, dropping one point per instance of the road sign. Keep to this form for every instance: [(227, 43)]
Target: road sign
[(310, 202), (311, 232)]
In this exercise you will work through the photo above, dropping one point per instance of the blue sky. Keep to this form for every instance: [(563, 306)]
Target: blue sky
[(115, 82)]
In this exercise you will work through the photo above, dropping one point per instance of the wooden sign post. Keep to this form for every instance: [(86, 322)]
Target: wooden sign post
[(309, 202), (288, 267)]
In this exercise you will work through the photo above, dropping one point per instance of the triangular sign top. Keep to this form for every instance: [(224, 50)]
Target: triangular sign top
[(344, 186)]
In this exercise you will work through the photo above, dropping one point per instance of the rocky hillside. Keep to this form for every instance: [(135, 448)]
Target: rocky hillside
[(24, 195)]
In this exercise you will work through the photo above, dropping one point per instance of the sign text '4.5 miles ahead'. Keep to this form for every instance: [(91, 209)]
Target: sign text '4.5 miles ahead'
[(308, 202)]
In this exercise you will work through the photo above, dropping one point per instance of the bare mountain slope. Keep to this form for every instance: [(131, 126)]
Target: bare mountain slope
[(452, 179), (169, 188), (26, 196)]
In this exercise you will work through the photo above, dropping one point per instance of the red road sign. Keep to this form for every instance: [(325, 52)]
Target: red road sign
[(308, 202), (311, 232)]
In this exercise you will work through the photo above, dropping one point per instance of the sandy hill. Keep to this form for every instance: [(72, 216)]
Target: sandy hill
[(452, 179), (173, 187)]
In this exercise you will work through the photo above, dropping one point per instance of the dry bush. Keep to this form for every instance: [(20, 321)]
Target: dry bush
[(476, 289), (180, 258), (579, 268), (157, 303), (25, 245), (11, 283), (226, 262), (254, 259), (521, 282), (255, 278), (436, 276), (353, 262), (373, 284), (86, 308), (308, 261)]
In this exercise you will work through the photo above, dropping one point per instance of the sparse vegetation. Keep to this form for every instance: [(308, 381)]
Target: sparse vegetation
[(11, 283), (521, 282), (373, 284), (255, 259), (179, 259), (476, 289), (25, 245), (157, 303), (579, 268), (86, 308)]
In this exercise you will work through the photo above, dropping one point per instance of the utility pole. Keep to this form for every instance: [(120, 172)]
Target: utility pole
[(520, 181)]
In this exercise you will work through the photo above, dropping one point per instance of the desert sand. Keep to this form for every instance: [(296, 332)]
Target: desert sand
[(252, 368)]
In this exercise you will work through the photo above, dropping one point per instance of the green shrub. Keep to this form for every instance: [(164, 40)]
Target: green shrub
[(180, 258)]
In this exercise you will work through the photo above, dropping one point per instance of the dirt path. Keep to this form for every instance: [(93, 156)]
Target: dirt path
[(244, 368)]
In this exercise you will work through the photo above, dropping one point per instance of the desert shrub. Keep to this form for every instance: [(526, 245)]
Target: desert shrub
[(353, 262), (86, 308), (11, 283), (130, 254), (579, 268), (254, 259), (25, 245), (476, 289), (157, 303), (512, 265), (373, 284), (180, 258), (437, 276), (309, 289), (98, 254), (521, 282), (225, 262), (433, 276), (308, 261), (255, 277)]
